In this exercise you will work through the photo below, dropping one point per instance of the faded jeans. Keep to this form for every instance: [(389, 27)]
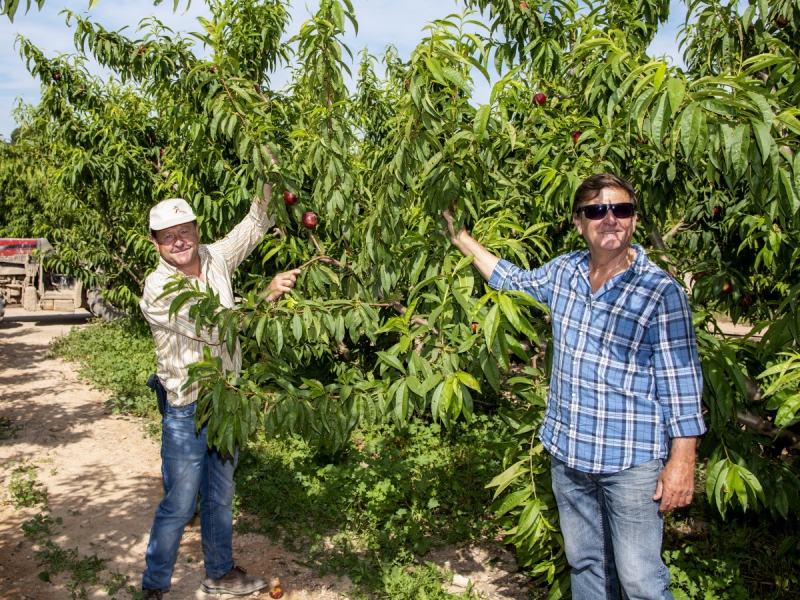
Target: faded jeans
[(612, 532), (189, 467)]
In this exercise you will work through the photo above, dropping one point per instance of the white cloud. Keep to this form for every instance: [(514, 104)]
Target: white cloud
[(381, 22)]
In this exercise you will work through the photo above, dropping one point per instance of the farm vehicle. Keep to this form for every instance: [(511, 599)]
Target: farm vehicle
[(25, 282)]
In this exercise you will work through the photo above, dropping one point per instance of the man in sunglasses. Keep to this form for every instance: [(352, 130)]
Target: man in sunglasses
[(623, 410)]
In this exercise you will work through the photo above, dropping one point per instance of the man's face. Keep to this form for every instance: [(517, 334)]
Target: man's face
[(609, 233), (178, 246)]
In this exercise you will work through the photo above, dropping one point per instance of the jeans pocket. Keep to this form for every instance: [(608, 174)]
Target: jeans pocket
[(179, 412)]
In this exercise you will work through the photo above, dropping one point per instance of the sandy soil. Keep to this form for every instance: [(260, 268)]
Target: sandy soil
[(102, 476)]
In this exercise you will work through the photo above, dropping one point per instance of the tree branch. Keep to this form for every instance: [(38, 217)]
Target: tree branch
[(787, 438), (679, 226)]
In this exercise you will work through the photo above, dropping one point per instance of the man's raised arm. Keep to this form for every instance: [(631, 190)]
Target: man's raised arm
[(484, 261)]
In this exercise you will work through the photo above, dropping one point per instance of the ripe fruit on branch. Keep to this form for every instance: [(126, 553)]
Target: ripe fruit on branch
[(56, 76), (289, 198), (747, 301), (162, 152), (309, 220), (781, 21), (523, 5), (727, 287), (140, 51), (474, 327), (576, 135), (539, 97)]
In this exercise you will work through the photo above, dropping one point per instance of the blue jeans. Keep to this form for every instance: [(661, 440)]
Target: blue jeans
[(612, 532), (189, 467)]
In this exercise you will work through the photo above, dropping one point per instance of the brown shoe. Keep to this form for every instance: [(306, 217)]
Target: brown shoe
[(235, 582)]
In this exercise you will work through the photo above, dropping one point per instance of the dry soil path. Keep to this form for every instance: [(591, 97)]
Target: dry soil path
[(102, 477)]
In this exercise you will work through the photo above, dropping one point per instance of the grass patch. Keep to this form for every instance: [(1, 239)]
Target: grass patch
[(373, 509)]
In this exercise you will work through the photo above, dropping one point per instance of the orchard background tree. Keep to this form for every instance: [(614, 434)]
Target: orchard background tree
[(388, 323)]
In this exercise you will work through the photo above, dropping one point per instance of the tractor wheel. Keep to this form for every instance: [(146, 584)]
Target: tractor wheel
[(100, 308)]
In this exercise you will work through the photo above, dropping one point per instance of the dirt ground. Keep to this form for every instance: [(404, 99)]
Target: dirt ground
[(102, 477)]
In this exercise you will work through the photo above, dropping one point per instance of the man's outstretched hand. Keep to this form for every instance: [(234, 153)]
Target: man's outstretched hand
[(266, 191), (448, 216), (280, 284)]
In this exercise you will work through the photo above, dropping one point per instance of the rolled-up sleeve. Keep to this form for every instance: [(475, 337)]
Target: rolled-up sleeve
[(536, 283), (678, 376), (242, 239)]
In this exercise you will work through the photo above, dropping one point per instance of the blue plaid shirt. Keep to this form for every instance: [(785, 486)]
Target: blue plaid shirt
[(626, 376)]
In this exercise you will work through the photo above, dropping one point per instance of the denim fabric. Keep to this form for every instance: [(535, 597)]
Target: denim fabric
[(612, 532), (189, 467)]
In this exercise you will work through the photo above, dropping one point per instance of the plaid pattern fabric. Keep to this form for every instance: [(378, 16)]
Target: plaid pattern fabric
[(177, 342), (626, 376)]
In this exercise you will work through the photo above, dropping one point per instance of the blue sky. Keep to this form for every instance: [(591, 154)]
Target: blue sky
[(381, 22)]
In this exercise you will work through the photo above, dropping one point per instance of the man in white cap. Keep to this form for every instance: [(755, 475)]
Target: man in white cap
[(188, 466)]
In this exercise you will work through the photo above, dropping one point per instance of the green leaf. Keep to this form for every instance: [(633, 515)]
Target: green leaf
[(658, 120), (788, 118), (763, 138), (512, 501), (481, 121), (391, 360), (502, 481), (491, 324)]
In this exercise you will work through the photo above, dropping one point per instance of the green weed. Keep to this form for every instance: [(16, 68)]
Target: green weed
[(734, 559), (9, 430), (39, 528), (385, 500), (24, 490)]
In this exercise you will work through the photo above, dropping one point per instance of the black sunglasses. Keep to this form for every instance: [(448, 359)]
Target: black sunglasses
[(596, 212)]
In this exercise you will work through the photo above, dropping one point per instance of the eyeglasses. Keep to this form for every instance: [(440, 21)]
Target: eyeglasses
[(597, 212)]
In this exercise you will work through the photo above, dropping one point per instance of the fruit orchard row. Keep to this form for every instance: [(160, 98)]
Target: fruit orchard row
[(388, 321)]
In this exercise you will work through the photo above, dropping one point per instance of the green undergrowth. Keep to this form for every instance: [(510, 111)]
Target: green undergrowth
[(734, 559), (116, 357), (372, 510)]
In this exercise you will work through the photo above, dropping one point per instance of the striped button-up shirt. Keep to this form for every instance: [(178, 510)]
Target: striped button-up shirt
[(177, 342), (626, 376)]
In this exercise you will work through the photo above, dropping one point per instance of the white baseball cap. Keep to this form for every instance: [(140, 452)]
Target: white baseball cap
[(168, 213)]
